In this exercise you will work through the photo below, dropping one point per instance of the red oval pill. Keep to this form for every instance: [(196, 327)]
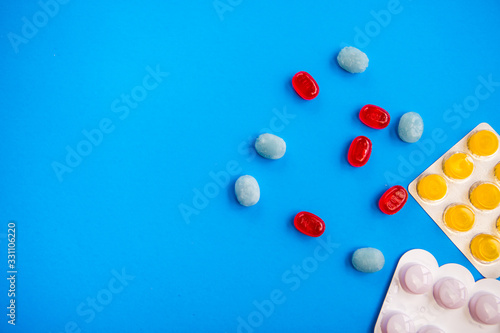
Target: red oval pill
[(393, 200), (309, 224), (374, 116), (359, 151), (305, 85)]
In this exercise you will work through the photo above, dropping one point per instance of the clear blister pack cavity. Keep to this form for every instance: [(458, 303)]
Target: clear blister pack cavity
[(460, 192), (426, 298)]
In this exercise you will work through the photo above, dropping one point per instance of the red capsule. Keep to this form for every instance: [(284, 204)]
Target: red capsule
[(305, 85), (309, 224), (374, 116), (359, 151), (393, 200)]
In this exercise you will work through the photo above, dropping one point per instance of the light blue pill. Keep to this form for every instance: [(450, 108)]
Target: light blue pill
[(270, 146), (411, 127), (352, 60), (247, 190), (368, 260)]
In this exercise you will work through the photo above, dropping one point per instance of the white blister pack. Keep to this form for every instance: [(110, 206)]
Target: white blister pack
[(460, 192), (426, 298)]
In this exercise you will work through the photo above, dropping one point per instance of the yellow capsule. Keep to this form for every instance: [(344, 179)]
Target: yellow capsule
[(485, 196), (498, 224), (483, 143), (432, 187), (458, 166), (459, 218), (485, 247)]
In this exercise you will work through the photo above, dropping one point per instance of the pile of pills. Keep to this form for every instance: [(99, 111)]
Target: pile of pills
[(460, 192), (270, 146), (426, 298)]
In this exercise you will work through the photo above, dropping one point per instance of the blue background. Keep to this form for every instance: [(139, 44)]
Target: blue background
[(229, 74)]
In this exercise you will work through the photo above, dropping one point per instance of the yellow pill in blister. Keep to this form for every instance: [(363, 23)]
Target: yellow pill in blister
[(497, 172), (498, 224), (458, 166), (432, 187), (485, 247), (483, 143), (485, 196), (459, 218)]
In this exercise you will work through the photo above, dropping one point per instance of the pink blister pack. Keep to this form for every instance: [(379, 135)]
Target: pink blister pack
[(426, 298)]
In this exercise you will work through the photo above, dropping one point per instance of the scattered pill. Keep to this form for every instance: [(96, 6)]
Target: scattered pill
[(458, 166), (352, 60), (270, 146), (247, 190), (432, 187), (411, 127), (485, 308), (309, 224), (359, 151), (483, 143), (374, 116), (450, 293), (485, 248), (305, 85), (368, 260), (485, 196), (393, 200), (459, 218)]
